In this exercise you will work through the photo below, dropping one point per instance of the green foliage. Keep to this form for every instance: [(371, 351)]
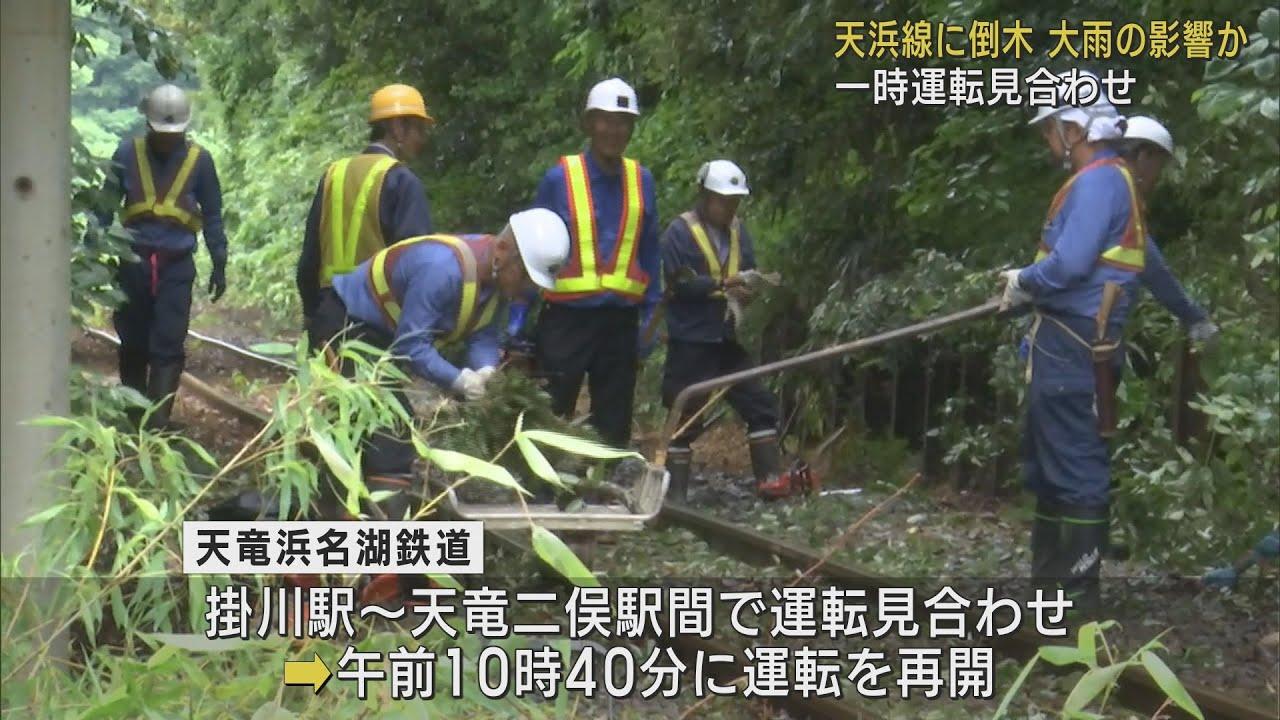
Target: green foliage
[(1101, 679), (876, 215)]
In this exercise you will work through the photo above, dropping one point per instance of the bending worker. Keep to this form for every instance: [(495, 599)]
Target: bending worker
[(1148, 147), (171, 192), (593, 317), (368, 201), (707, 255), (426, 289), (1093, 244)]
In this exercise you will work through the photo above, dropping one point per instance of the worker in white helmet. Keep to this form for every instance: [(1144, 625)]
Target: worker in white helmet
[(708, 259), (171, 192), (1148, 147), (440, 288), (592, 320), (1092, 244)]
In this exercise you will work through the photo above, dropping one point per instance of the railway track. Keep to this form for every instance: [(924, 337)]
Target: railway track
[(1136, 690)]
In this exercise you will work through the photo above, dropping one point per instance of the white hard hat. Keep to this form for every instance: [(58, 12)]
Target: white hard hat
[(1099, 106), (613, 95), (543, 241), (723, 177), (1098, 118), (1149, 129), (168, 109)]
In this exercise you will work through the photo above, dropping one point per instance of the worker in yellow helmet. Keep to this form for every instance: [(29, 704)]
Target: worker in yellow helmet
[(368, 201)]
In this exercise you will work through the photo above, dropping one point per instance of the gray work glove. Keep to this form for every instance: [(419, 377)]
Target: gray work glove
[(1013, 295)]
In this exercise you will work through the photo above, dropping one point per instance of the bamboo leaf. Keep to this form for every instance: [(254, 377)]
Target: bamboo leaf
[(1060, 655), (555, 553), (343, 470), (1090, 685), (46, 515), (538, 462), (145, 506), (451, 461), (1170, 684), (578, 446), (1087, 644)]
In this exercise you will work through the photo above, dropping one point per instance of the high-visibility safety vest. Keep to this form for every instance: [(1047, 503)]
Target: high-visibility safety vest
[(1131, 253), (586, 273), (350, 229), (714, 267), (147, 200), (470, 316)]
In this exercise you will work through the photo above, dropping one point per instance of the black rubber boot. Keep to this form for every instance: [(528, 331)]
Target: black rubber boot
[(1084, 542), (679, 464), (162, 388), (1046, 541), (766, 465), (133, 374)]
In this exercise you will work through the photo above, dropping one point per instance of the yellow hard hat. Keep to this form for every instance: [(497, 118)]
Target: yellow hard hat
[(397, 101)]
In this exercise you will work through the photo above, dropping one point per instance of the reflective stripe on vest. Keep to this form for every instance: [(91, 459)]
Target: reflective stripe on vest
[(1131, 253), (468, 320), (167, 204), (350, 227), (585, 274), (709, 252)]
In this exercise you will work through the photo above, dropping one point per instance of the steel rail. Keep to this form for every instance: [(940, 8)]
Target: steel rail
[(1137, 691)]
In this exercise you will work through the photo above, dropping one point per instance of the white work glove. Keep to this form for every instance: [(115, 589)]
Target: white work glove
[(487, 372), (1203, 333), (470, 384), (1013, 295)]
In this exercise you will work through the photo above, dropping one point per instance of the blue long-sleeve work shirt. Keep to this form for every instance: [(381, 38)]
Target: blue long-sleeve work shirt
[(1092, 219), (606, 197), (427, 282), (204, 189), (693, 314), (403, 212), (1166, 289)]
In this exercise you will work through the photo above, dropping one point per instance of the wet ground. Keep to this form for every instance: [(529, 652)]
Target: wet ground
[(1214, 639), (929, 534)]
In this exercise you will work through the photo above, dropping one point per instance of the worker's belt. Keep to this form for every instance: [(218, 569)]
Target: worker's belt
[(154, 258), (1101, 353), (1098, 351)]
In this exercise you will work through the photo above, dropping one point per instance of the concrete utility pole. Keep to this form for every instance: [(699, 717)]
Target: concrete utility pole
[(35, 251)]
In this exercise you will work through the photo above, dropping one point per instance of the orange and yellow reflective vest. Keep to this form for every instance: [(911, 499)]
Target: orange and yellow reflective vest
[(714, 268), (350, 230), (1131, 252), (146, 200), (470, 318), (587, 273)]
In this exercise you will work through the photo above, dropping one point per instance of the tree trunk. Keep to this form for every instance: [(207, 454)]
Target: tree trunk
[(35, 282), (35, 92)]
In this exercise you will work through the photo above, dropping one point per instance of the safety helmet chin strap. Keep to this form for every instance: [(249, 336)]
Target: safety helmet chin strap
[(1067, 146)]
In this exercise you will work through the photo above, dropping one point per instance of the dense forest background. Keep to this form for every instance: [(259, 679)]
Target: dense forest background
[(876, 215)]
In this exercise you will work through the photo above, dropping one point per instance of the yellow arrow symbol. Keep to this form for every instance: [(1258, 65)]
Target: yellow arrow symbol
[(311, 672)]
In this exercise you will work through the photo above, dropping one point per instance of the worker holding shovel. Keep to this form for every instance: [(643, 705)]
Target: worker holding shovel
[(1081, 288)]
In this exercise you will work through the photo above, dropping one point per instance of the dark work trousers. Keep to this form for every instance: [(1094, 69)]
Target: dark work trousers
[(384, 453), (692, 362), (1064, 458), (152, 322), (600, 343)]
